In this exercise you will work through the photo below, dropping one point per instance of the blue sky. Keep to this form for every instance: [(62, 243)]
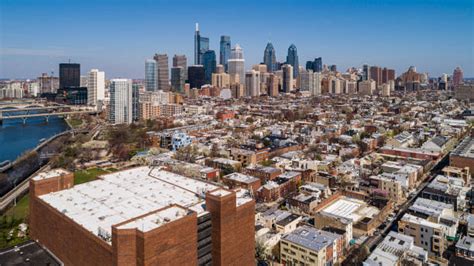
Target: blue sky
[(117, 35)]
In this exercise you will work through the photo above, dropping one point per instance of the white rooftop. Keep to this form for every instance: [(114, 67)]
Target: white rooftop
[(50, 173), (156, 219), (121, 196), (345, 208)]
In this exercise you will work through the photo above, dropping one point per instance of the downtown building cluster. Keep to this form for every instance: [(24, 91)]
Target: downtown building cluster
[(278, 164)]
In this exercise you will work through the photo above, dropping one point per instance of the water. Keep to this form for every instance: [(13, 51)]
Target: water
[(16, 138)]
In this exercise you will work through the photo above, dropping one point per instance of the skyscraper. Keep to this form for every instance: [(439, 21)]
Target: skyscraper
[(196, 76), (135, 102), (181, 61), (224, 53), (201, 45), (150, 75), (209, 63), (220, 79), (458, 77), (162, 72), (95, 87), (318, 64), (365, 72), (307, 80), (292, 59), (121, 101), (69, 75), (316, 84), (269, 57), (272, 85), (237, 64), (376, 75), (197, 37), (252, 83), (387, 75), (287, 78), (177, 79)]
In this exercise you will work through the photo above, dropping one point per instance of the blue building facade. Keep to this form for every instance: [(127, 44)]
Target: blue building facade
[(269, 58), (292, 59), (180, 140), (209, 63), (224, 53)]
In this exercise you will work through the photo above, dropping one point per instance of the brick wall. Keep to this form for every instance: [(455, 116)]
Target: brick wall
[(70, 242), (233, 230)]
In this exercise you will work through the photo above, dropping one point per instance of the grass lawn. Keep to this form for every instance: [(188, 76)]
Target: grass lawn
[(20, 211), (83, 176), (9, 222), (74, 122)]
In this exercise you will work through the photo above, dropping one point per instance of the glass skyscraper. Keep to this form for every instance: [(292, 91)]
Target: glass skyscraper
[(150, 75), (209, 63), (292, 59), (224, 53), (269, 57), (201, 45), (237, 64), (69, 75)]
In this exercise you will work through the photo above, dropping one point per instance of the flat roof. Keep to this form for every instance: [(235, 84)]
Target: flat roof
[(345, 208), (28, 253), (156, 219), (465, 148), (120, 196), (242, 178), (311, 238), (50, 173)]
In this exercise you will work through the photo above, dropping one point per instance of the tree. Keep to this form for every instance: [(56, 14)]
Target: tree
[(214, 150)]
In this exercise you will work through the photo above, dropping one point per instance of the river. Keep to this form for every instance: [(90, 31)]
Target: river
[(16, 138)]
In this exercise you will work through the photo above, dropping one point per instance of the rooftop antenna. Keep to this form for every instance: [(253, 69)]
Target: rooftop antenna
[(69, 60), (197, 26)]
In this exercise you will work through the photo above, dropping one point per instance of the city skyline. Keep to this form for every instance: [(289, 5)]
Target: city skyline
[(338, 39)]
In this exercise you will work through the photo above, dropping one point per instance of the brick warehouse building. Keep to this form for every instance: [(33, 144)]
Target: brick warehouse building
[(141, 216)]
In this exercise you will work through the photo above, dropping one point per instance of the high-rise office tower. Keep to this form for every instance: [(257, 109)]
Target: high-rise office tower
[(252, 83), (177, 79), (121, 101), (458, 77), (306, 80), (237, 64), (316, 84), (197, 49), (220, 79), (269, 57), (69, 75), (333, 68), (201, 45), (162, 72), (387, 75), (150, 75), (376, 75), (181, 61), (292, 59), (365, 72), (224, 53), (209, 63), (287, 78), (318, 64), (135, 102), (95, 87), (272, 85), (196, 76)]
